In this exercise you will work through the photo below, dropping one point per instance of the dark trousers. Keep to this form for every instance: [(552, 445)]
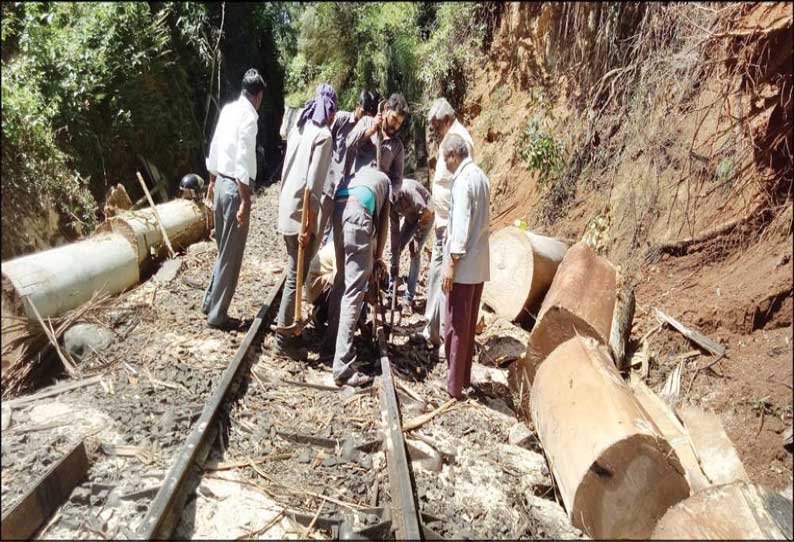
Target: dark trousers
[(463, 306)]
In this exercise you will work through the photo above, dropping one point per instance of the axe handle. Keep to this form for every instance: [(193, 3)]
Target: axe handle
[(301, 256)]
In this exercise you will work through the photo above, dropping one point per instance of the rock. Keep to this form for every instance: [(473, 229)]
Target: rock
[(6, 418), (520, 435), (80, 339), (168, 270), (305, 457)]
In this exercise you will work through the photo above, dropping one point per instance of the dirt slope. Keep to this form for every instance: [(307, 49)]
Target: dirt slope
[(673, 123)]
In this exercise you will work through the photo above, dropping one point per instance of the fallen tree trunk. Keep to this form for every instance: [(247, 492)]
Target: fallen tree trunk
[(523, 265), (60, 279), (581, 301), (616, 473), (737, 511), (185, 222)]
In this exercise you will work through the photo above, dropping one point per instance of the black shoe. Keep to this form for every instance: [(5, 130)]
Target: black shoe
[(357, 380), (230, 324)]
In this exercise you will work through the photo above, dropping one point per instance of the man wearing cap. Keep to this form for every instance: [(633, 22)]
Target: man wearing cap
[(232, 167), (306, 163)]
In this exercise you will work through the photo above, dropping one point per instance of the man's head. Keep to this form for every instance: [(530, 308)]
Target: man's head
[(367, 104), (395, 111), (441, 116), (454, 151), (253, 87)]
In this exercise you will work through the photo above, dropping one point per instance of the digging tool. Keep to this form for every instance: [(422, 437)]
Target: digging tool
[(298, 323)]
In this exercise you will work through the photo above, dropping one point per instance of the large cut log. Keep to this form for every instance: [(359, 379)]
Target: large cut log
[(501, 343), (185, 222), (581, 301), (616, 473), (65, 277), (523, 265), (736, 511)]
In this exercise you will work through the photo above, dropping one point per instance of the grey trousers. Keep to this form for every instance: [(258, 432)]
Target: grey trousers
[(286, 311), (356, 239), (338, 287), (436, 301), (230, 237)]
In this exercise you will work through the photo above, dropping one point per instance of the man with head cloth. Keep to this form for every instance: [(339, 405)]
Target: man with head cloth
[(306, 163)]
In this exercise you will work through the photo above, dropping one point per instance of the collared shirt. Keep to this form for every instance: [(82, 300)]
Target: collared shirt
[(411, 201), (233, 147), (467, 230), (442, 180), (306, 164), (341, 128), (362, 153)]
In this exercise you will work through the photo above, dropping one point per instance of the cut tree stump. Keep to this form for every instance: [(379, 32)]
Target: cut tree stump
[(523, 265), (737, 511), (616, 473), (501, 343), (581, 301)]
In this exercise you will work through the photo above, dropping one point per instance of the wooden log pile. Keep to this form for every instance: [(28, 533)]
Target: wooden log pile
[(626, 460)]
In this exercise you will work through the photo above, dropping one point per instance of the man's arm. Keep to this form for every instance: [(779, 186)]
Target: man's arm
[(364, 129), (394, 236), (246, 154), (461, 216)]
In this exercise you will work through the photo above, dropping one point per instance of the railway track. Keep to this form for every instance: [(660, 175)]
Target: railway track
[(402, 518)]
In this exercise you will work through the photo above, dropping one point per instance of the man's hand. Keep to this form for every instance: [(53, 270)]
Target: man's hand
[(304, 238), (448, 276), (209, 196), (427, 217), (242, 215), (379, 268)]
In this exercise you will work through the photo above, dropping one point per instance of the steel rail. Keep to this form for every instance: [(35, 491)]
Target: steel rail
[(405, 513), (165, 510)]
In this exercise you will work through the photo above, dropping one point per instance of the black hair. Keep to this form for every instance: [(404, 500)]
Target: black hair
[(398, 104), (253, 83), (368, 100)]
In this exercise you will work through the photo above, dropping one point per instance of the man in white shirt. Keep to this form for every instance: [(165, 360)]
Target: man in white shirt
[(466, 259), (232, 167), (443, 122)]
